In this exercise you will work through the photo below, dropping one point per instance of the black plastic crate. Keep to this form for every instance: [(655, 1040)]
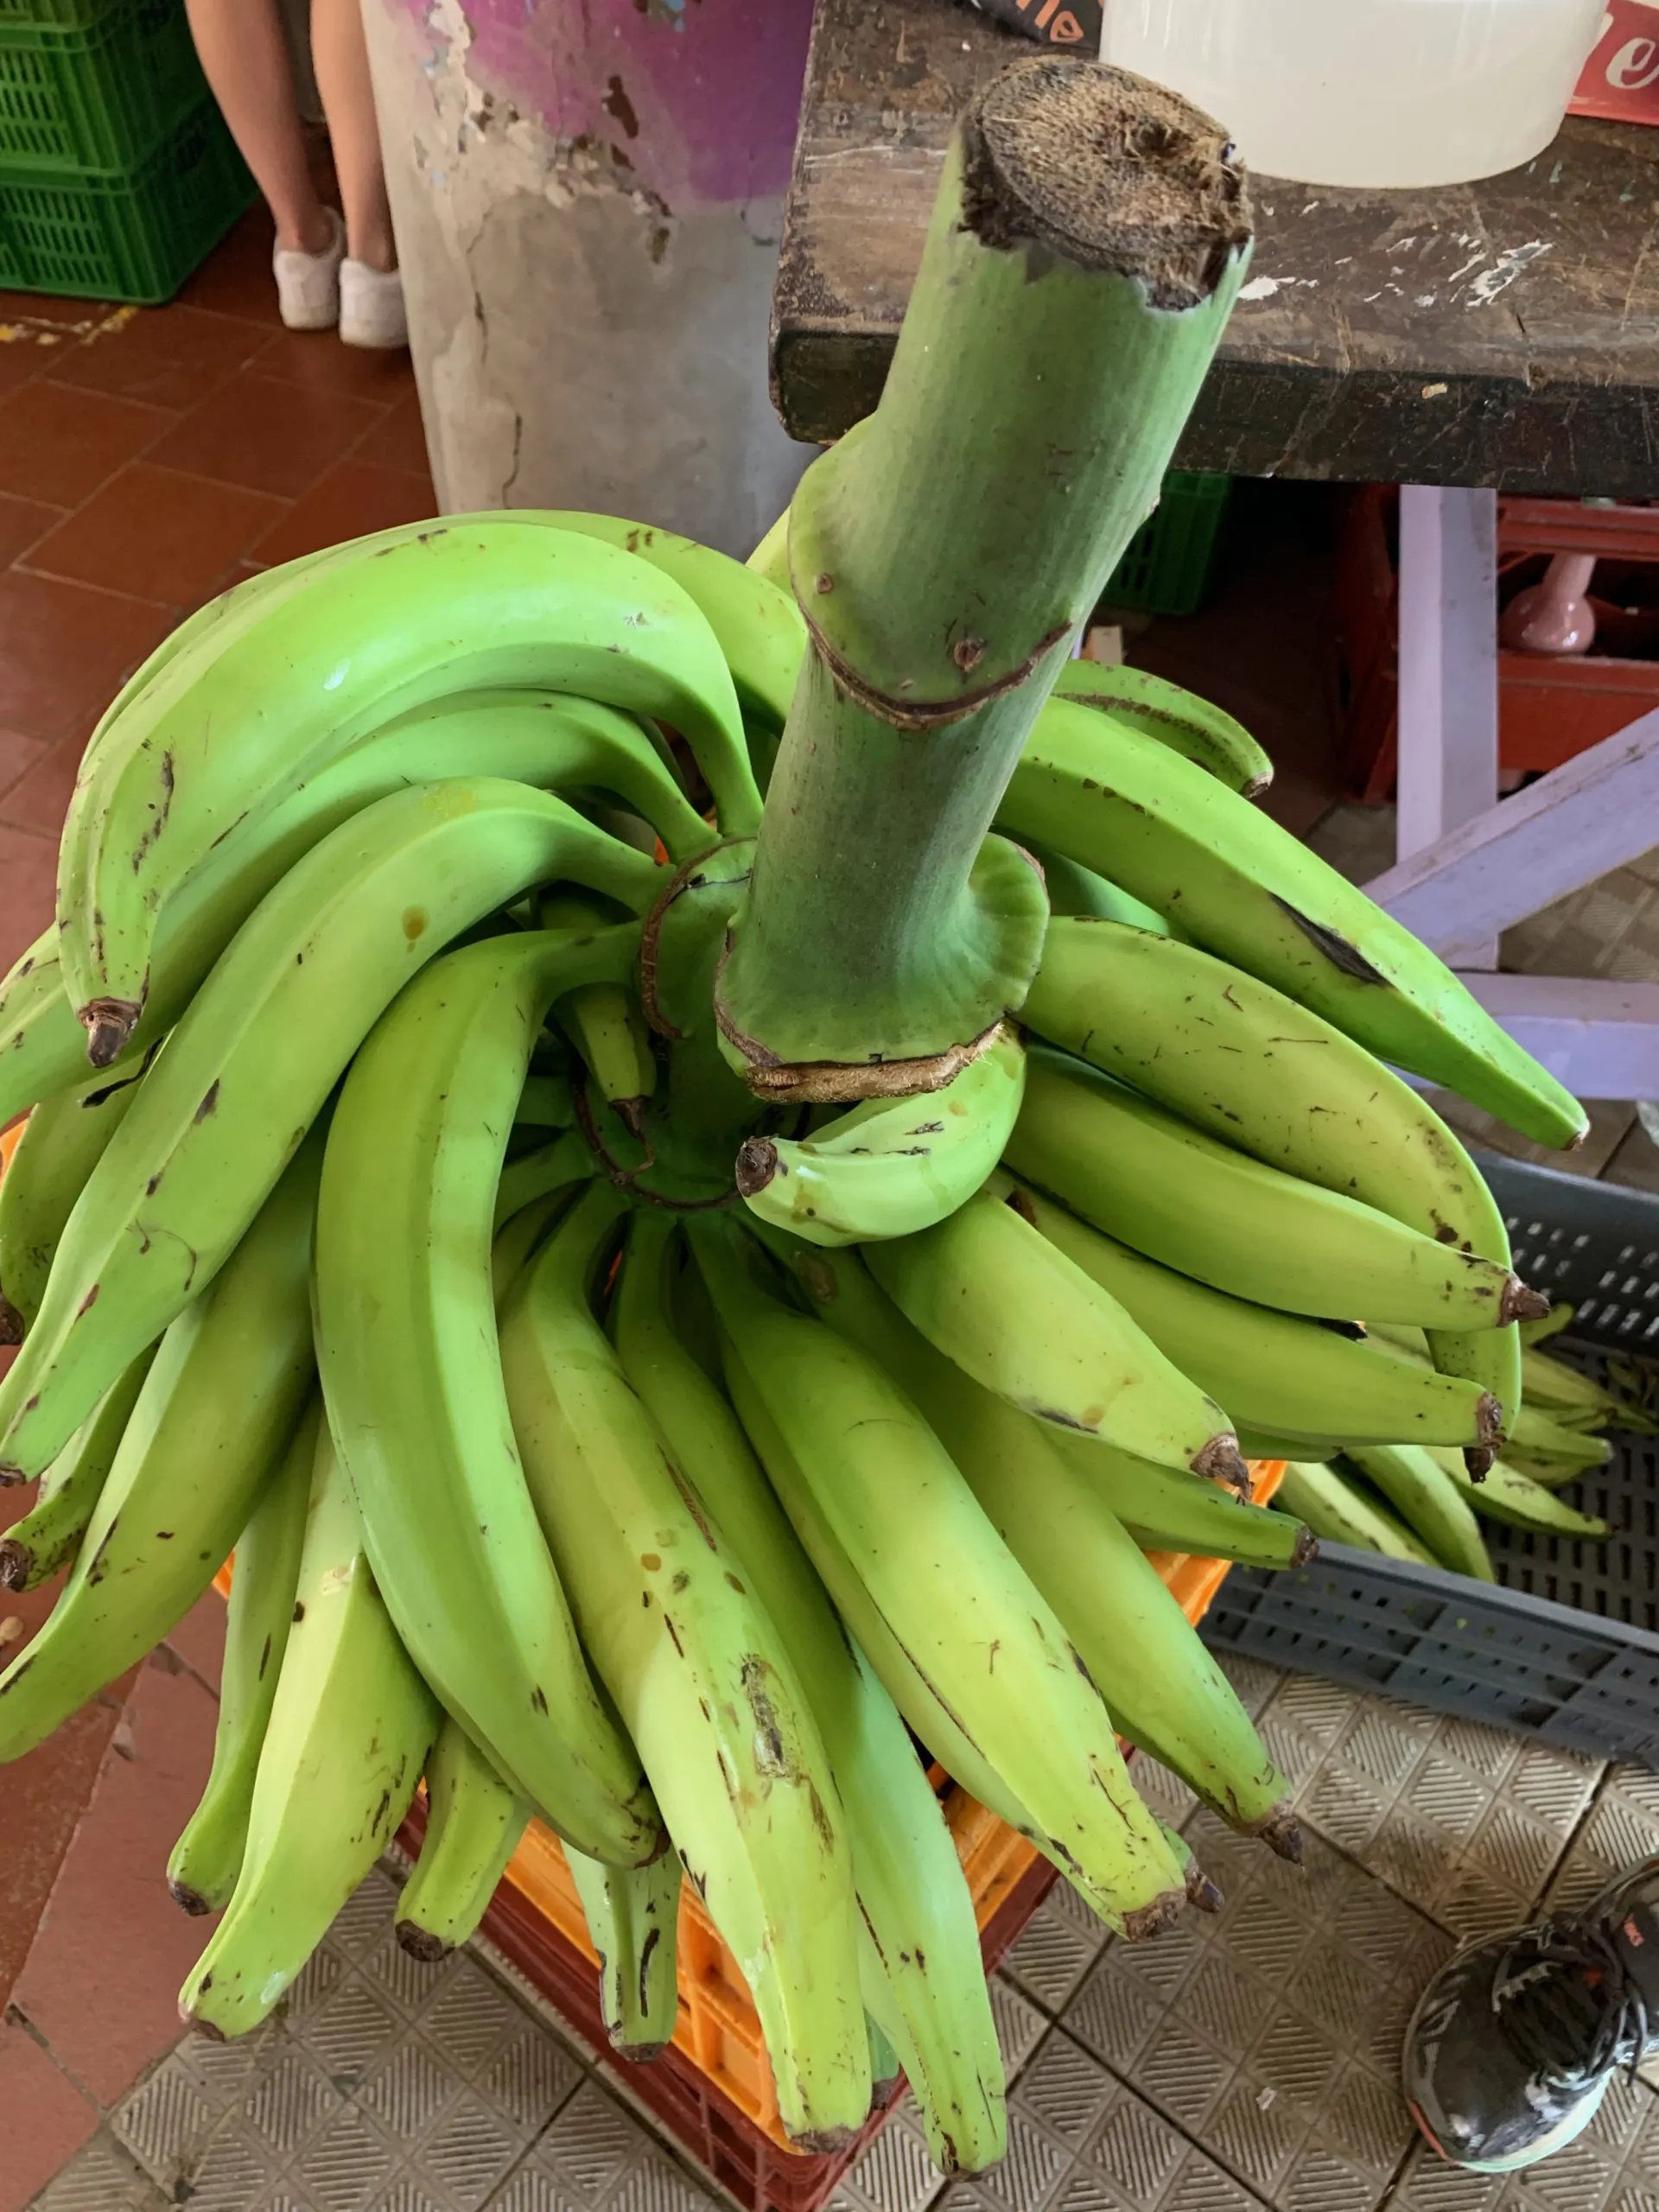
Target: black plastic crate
[(1565, 1647)]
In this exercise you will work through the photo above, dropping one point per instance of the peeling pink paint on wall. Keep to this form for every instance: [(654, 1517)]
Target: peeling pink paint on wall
[(701, 105)]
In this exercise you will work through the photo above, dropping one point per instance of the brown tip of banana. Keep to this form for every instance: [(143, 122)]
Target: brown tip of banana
[(1149, 1920), (12, 1322), (10, 1473), (202, 2027), (817, 2142), (1478, 1460), (757, 1163), (1306, 1549), (108, 1024), (188, 1900), (1203, 1893), (1488, 1420), (1257, 787), (1521, 1302), (16, 1564), (1222, 1461), (1282, 1832), (645, 2054), (421, 1943)]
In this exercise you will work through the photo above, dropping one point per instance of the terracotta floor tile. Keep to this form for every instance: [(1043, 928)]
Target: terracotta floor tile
[(101, 1981), (18, 755), (236, 278), (158, 533), (44, 2118), (22, 521), (351, 499), (198, 1639), (63, 650), (25, 352), (400, 441), (268, 435), (59, 444), (317, 358), (28, 877), (171, 357), (39, 799)]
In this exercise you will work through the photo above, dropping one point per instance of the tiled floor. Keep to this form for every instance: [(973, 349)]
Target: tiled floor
[(1238, 2064), (148, 457)]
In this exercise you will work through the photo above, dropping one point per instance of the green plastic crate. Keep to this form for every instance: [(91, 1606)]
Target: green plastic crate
[(62, 15), (97, 96), (1165, 569), (125, 236)]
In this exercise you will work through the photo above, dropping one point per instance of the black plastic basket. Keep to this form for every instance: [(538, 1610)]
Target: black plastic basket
[(1565, 1647)]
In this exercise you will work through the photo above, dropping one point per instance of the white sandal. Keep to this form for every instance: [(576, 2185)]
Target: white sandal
[(308, 284)]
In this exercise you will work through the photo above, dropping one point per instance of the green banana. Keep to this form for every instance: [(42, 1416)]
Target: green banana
[(914, 1901), (1154, 1182), (1429, 1502), (634, 1916), (892, 1526), (700, 1679), (769, 558), (201, 1872), (604, 1022), (63, 1140), (1241, 1061), (216, 1411), (1074, 889), (474, 1821), (461, 607), (751, 614), (1171, 1511), (254, 1057), (891, 1165), (527, 737), (1162, 1688), (1504, 1493), (1259, 1443), (1205, 735), (1534, 1432), (1270, 1370), (1338, 1513), (48, 1536), (1563, 1393), (550, 1168), (1012, 1311), (406, 1343), (518, 1237), (544, 1103), (350, 1727), (1247, 889)]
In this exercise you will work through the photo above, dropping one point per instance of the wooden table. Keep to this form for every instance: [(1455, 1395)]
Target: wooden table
[(1502, 334), (1495, 336)]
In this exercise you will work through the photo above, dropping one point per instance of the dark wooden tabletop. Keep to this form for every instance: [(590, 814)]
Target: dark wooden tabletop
[(1504, 333)]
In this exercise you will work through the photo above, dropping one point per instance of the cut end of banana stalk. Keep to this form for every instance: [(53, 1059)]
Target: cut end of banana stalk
[(1489, 1422), (108, 1024), (1222, 1461), (1306, 1549), (188, 1900), (12, 1322), (1149, 1920), (1521, 1302), (421, 1943)]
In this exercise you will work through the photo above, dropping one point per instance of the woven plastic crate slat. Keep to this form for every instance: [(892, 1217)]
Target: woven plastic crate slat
[(133, 236), (62, 15), (100, 96), (1166, 565)]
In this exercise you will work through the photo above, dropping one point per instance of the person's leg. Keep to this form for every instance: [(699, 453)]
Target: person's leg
[(339, 56), (245, 59)]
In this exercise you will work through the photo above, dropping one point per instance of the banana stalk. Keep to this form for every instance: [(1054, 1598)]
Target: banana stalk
[(1088, 237)]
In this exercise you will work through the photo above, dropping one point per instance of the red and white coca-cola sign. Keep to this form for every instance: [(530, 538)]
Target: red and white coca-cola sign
[(1621, 78)]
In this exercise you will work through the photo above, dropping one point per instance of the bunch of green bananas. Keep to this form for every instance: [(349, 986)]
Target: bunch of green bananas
[(1420, 1503), (599, 1442)]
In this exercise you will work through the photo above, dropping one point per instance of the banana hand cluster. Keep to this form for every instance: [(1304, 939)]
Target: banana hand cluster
[(603, 1443)]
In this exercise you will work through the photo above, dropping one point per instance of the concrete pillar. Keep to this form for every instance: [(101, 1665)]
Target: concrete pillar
[(588, 197)]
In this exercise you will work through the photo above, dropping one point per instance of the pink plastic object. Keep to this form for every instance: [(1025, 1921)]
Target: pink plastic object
[(1553, 616)]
